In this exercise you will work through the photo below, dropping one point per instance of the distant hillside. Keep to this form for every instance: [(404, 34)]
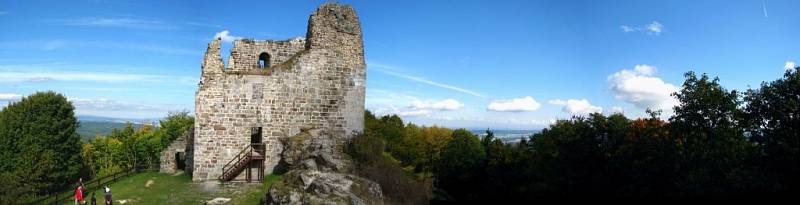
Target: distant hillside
[(91, 126), (508, 136)]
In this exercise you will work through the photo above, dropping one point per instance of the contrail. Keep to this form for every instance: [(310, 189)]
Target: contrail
[(765, 9), (381, 68)]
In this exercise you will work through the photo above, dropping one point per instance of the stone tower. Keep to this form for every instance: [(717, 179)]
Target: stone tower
[(271, 89)]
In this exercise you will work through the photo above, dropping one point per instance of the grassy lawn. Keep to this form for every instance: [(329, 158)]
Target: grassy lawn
[(179, 189)]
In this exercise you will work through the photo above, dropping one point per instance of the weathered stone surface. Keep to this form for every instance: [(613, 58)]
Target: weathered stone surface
[(317, 187), (318, 166), (314, 149), (317, 82), (167, 162)]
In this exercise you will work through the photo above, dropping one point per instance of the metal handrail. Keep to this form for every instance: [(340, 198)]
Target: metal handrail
[(246, 152), (237, 158)]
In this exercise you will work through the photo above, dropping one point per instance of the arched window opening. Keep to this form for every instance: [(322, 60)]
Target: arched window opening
[(263, 60)]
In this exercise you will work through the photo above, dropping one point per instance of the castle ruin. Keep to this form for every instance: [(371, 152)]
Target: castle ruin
[(271, 90)]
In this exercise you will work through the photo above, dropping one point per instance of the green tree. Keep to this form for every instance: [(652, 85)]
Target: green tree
[(772, 118), (126, 137), (569, 158), (706, 124), (391, 130), (39, 147), (461, 165), (173, 126), (645, 162), (108, 155)]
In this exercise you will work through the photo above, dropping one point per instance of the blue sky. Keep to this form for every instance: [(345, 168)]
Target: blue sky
[(475, 64)]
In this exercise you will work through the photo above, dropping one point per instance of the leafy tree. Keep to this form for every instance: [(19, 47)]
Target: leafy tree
[(460, 165), (39, 147), (772, 118), (645, 163), (706, 125), (127, 140), (174, 125), (392, 131), (422, 147), (570, 157), (147, 146), (373, 163), (108, 155)]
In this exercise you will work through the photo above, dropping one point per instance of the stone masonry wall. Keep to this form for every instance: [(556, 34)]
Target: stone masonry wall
[(167, 162), (245, 53), (315, 83)]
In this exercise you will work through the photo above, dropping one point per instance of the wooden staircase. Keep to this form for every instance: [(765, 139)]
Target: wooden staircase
[(253, 153)]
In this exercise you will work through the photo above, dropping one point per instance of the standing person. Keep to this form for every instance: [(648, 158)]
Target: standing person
[(79, 195), (83, 187), (94, 200), (108, 196)]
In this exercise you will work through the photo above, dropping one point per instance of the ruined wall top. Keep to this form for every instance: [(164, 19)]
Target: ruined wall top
[(332, 26)]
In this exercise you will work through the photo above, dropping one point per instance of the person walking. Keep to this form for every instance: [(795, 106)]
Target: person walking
[(83, 187), (94, 200), (108, 196), (79, 195)]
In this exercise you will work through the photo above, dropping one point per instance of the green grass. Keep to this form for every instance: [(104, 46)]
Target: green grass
[(169, 189), (253, 196)]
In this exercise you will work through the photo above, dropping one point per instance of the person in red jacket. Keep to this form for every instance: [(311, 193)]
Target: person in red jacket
[(79, 195)]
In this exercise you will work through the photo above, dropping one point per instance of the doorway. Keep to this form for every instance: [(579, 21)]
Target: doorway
[(255, 137), (180, 160)]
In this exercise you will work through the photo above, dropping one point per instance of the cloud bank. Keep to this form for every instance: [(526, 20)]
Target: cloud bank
[(448, 104), (10, 97), (523, 104), (641, 88), (577, 107)]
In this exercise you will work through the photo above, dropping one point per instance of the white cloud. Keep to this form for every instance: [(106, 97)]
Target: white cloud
[(413, 113), (789, 65), (10, 97), (226, 37), (617, 109), (645, 69), (105, 104), (641, 88), (417, 108), (109, 107), (526, 103), (50, 45), (385, 69), (577, 107), (117, 22), (402, 112), (654, 28), (532, 122), (448, 104), (627, 29), (44, 73)]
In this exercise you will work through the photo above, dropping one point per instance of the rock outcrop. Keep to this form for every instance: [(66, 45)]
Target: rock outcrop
[(318, 174)]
